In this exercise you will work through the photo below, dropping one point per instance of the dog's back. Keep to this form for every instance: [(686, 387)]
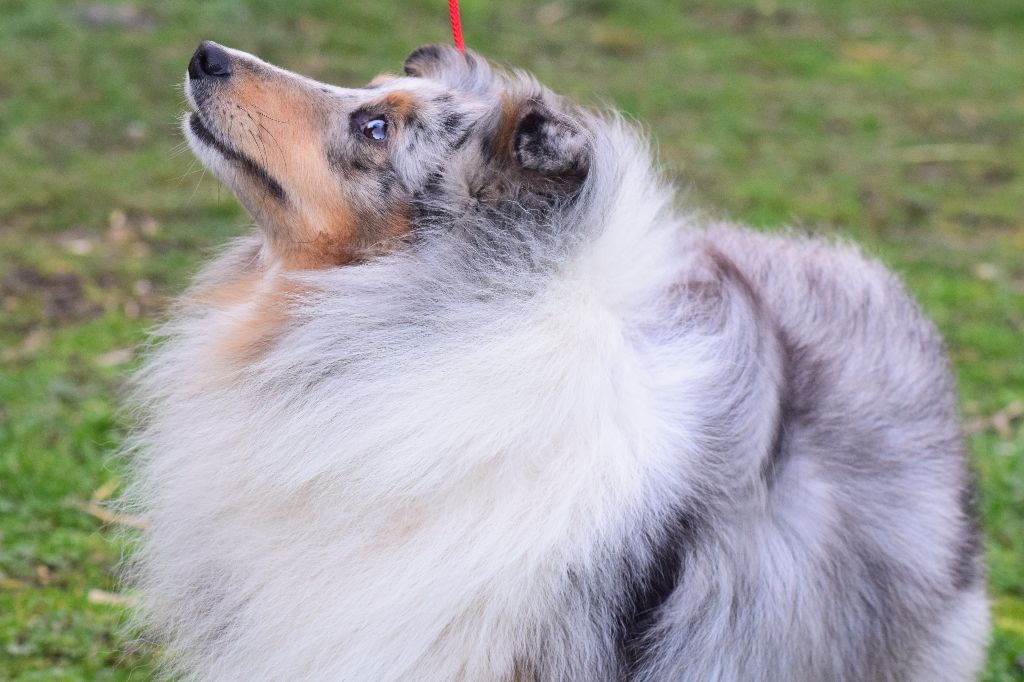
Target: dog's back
[(856, 556)]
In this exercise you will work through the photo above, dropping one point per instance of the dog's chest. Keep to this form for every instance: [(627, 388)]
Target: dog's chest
[(436, 520)]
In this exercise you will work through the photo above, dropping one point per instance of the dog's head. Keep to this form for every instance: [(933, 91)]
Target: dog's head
[(334, 175)]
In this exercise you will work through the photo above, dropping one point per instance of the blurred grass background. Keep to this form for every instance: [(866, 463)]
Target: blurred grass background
[(897, 122)]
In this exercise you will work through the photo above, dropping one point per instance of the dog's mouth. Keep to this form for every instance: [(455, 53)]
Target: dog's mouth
[(207, 137)]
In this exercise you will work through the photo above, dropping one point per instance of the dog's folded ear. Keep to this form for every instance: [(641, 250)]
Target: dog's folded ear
[(550, 143), (466, 71)]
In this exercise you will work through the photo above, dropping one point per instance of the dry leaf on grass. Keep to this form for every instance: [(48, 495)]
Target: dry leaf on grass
[(106, 490), (1000, 422), (107, 516), (111, 598)]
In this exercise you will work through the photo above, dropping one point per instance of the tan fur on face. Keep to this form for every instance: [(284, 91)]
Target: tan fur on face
[(401, 104), (282, 125)]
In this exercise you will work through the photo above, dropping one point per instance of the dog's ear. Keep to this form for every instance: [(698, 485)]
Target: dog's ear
[(550, 143), (428, 60), (465, 71)]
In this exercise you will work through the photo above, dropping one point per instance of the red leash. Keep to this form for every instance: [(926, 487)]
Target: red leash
[(453, 14)]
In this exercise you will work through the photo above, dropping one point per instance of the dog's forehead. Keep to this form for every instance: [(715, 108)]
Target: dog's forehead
[(415, 86), (422, 93), (425, 89)]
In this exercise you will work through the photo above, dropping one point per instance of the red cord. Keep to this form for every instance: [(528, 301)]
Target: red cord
[(453, 14)]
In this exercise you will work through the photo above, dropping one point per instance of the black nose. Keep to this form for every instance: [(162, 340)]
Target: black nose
[(210, 61)]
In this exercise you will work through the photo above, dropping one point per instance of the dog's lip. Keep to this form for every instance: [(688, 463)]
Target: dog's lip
[(205, 135)]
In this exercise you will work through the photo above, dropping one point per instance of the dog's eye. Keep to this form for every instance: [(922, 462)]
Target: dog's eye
[(376, 129)]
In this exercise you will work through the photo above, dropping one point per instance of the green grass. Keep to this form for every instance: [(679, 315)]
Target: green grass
[(898, 123)]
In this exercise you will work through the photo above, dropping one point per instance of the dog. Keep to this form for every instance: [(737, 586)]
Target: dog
[(475, 401)]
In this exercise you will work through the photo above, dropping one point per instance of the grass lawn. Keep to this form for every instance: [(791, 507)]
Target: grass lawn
[(897, 122)]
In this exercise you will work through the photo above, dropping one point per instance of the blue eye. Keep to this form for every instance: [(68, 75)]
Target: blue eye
[(376, 129)]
